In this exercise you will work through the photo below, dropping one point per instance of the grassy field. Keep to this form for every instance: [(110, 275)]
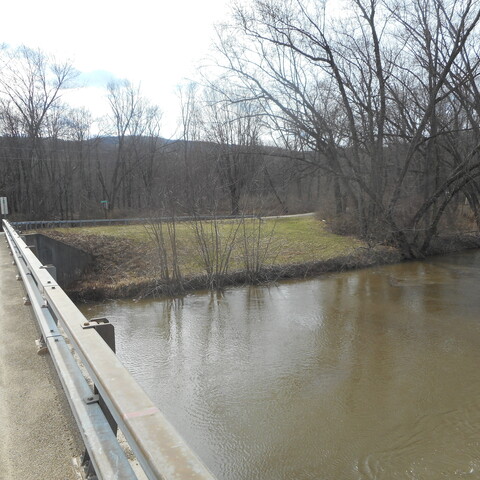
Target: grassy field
[(129, 257)]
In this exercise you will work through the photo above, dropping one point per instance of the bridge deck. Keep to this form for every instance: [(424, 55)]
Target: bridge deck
[(38, 435)]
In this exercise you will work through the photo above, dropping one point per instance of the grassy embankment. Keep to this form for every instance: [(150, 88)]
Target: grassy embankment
[(128, 258)]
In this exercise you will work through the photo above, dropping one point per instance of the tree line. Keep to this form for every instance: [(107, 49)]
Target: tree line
[(369, 114), (52, 164)]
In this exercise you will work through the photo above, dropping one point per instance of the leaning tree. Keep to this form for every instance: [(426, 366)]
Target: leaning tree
[(383, 95)]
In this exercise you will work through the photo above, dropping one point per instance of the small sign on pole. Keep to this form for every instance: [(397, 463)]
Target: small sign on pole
[(3, 206), (104, 204)]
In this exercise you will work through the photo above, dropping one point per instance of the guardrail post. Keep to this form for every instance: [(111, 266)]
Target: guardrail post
[(107, 331), (87, 471), (52, 270)]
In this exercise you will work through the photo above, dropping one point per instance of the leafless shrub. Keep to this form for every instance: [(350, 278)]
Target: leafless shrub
[(256, 243), (216, 240), (164, 236)]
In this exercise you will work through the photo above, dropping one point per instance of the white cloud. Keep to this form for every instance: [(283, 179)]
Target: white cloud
[(95, 78), (150, 42)]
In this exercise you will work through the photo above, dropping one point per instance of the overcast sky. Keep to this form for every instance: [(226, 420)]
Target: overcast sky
[(157, 43)]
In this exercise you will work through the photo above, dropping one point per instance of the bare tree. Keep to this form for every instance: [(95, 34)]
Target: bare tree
[(235, 129), (131, 118), (30, 91), (372, 93)]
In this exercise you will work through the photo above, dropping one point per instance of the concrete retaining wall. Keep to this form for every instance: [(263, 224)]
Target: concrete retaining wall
[(70, 262)]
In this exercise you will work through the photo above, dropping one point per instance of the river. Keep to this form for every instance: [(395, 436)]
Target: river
[(369, 374)]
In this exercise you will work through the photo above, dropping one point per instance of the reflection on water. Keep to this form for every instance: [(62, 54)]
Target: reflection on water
[(373, 374)]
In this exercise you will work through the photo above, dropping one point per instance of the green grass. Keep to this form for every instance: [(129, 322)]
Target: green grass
[(280, 241), (128, 263), (305, 239)]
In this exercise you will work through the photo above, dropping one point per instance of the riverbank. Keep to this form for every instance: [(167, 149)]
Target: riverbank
[(139, 261)]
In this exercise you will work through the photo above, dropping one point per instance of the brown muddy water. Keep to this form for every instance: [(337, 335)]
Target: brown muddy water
[(371, 374)]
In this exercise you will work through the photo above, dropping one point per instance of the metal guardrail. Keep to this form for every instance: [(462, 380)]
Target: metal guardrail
[(159, 449), (40, 224)]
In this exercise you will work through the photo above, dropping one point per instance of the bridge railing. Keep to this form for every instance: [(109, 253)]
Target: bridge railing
[(158, 447), (41, 224)]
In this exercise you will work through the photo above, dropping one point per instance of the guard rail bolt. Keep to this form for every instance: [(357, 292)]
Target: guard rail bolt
[(92, 399)]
